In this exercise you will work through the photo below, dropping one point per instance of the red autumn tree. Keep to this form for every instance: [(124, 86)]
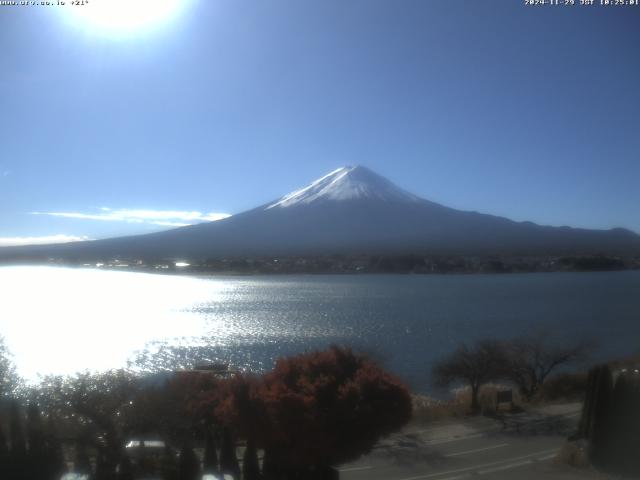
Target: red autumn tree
[(318, 409), (241, 407), (178, 408)]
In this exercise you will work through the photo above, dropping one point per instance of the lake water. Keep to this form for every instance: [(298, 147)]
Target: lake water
[(59, 320)]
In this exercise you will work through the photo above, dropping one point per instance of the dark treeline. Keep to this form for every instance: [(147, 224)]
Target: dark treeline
[(313, 411), (383, 263), (421, 264), (32, 449)]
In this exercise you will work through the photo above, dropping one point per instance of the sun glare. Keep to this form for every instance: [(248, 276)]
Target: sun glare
[(94, 319), (125, 16)]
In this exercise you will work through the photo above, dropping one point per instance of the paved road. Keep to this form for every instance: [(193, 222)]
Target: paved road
[(476, 448)]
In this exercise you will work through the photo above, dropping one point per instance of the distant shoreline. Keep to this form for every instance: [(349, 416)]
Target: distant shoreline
[(356, 265)]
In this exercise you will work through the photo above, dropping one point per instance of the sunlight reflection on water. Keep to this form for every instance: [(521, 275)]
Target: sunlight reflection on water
[(61, 320), (64, 320)]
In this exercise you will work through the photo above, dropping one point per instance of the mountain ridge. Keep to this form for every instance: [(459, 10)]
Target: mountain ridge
[(350, 210)]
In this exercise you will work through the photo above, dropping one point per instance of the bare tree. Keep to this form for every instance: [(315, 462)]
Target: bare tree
[(531, 359), (475, 366)]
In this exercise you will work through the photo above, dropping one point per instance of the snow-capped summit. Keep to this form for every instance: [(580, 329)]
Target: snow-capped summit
[(346, 183), (351, 210)]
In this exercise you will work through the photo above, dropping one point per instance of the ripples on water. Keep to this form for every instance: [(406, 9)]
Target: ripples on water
[(58, 320)]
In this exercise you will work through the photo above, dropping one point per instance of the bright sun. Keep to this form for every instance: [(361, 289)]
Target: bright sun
[(125, 16)]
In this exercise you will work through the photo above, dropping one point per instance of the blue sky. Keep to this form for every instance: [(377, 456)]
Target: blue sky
[(490, 105)]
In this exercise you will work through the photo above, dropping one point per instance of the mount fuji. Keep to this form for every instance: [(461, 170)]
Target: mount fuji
[(351, 210)]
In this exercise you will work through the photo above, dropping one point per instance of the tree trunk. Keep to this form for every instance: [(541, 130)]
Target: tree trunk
[(228, 460), (188, 466), (210, 463), (475, 403), (169, 465), (270, 470), (251, 466)]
